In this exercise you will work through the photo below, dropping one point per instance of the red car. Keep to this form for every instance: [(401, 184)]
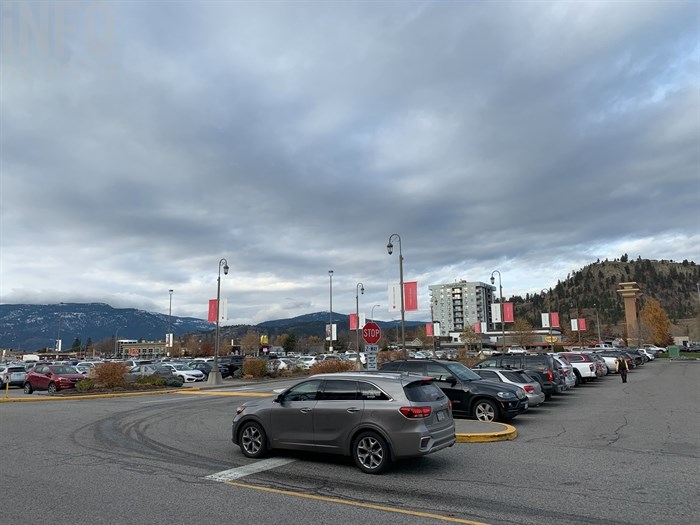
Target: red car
[(51, 378)]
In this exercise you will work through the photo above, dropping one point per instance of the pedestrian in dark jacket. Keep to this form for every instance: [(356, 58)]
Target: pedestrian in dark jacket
[(622, 368)]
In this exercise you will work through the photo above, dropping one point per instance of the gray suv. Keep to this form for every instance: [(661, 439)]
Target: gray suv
[(373, 417)]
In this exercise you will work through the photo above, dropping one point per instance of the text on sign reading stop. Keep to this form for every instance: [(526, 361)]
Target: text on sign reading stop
[(371, 333)]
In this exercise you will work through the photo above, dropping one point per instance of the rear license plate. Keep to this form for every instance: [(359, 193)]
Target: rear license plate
[(440, 415)]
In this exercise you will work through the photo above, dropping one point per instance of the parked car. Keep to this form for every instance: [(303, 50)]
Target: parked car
[(184, 372), (372, 417), (52, 378), (566, 369), (305, 362), (12, 375), (656, 350), (471, 396), (154, 369), (585, 367), (539, 366), (531, 386)]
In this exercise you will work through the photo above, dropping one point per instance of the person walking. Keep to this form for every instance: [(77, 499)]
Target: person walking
[(621, 367)]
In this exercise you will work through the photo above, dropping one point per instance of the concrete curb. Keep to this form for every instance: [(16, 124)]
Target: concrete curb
[(508, 433)]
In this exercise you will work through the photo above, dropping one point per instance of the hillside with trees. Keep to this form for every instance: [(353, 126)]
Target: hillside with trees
[(593, 290)]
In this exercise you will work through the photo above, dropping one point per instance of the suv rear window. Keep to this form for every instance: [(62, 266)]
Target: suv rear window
[(422, 391), (517, 377)]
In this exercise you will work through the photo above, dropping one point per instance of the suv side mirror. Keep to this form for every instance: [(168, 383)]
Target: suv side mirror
[(452, 380)]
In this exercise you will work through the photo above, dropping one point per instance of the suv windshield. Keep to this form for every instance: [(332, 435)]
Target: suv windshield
[(462, 372)]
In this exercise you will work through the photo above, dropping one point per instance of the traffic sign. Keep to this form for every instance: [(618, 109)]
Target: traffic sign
[(371, 333)]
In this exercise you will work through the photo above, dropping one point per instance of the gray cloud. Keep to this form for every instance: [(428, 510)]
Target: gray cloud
[(292, 138)]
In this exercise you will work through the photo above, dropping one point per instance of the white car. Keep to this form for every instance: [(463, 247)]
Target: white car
[(184, 372), (352, 356), (305, 362), (655, 350)]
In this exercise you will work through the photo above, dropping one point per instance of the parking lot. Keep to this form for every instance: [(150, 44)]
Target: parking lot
[(604, 452)]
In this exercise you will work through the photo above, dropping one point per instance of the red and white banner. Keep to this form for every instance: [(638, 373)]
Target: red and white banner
[(477, 327), (223, 310), (508, 314), (410, 297), (554, 319), (496, 312), (545, 320), (353, 321), (578, 325), (429, 329)]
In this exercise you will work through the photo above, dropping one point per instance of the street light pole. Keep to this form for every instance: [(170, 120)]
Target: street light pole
[(58, 335), (597, 322), (215, 374), (390, 249), (359, 289), (330, 314), (116, 333), (500, 304), (169, 343), (371, 315)]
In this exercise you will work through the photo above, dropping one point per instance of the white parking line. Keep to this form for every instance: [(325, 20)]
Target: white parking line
[(246, 470)]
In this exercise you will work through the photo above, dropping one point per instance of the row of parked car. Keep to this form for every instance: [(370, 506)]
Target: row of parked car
[(501, 386), (406, 408), (59, 375)]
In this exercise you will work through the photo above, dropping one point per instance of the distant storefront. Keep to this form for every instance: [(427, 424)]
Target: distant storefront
[(129, 349)]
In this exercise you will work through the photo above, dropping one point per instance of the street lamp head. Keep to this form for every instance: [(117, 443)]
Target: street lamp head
[(330, 272), (362, 289), (493, 279), (225, 269), (170, 291), (390, 248)]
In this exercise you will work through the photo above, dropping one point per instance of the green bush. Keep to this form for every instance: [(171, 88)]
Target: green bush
[(255, 367), (111, 375), (85, 385), (151, 380)]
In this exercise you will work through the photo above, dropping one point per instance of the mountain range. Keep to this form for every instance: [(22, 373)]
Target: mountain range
[(30, 327), (591, 291)]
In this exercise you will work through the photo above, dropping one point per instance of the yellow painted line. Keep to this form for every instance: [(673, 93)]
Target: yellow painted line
[(509, 433), (395, 510), (90, 396), (221, 393)]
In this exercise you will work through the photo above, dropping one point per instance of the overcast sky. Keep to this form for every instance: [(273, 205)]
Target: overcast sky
[(141, 142)]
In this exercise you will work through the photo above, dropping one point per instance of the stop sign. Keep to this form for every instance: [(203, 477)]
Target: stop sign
[(371, 333)]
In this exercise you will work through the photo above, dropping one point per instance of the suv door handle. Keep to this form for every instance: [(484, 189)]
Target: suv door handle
[(353, 409), (305, 410)]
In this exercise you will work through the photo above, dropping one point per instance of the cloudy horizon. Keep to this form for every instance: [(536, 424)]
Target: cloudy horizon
[(141, 142)]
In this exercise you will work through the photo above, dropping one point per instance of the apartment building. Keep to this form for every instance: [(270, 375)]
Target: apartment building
[(461, 304)]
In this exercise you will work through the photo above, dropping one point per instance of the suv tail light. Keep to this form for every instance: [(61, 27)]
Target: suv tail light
[(550, 375), (529, 388), (415, 412)]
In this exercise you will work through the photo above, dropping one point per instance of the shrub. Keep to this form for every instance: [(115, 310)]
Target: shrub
[(85, 385), (151, 380), (332, 365), (255, 367), (111, 375)]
